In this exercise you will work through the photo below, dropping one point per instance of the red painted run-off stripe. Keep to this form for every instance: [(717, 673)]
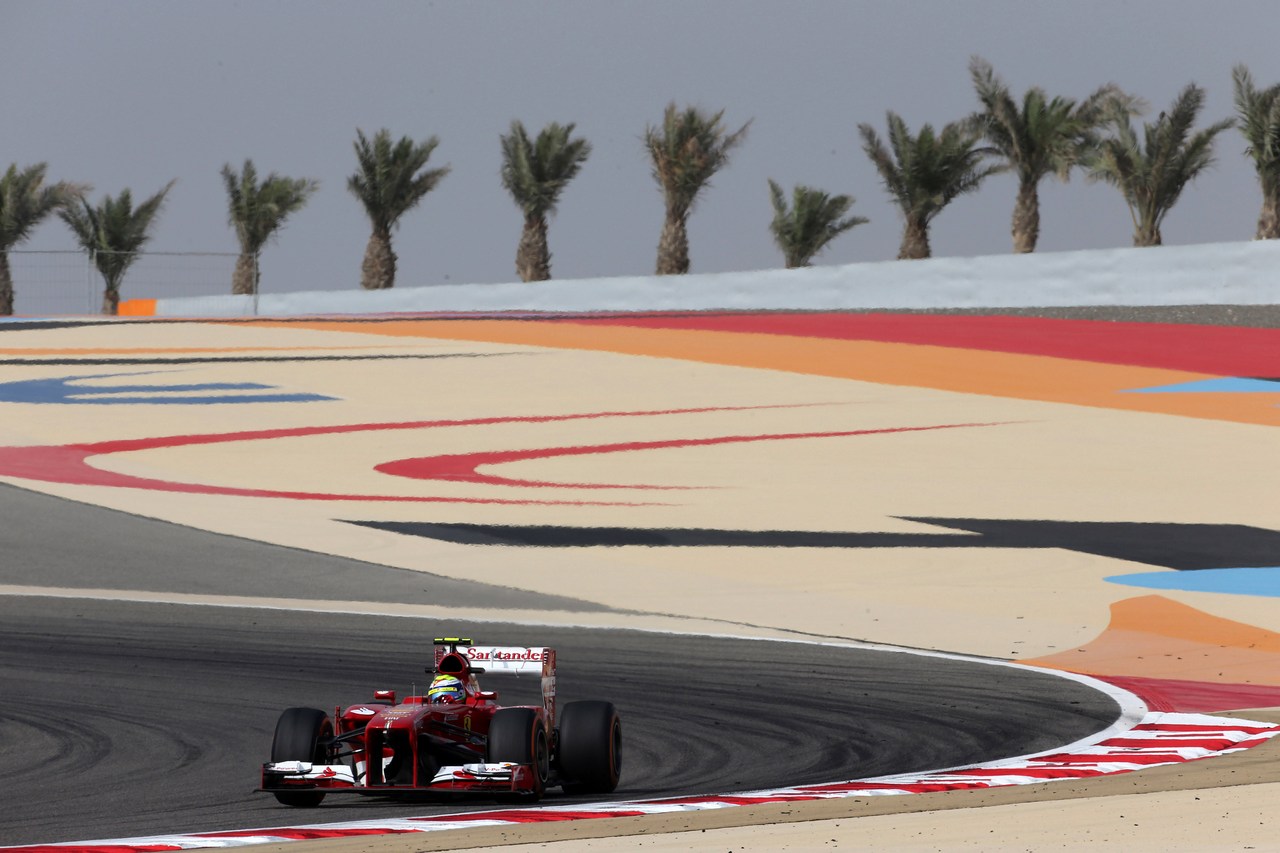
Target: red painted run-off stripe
[(1211, 744), (95, 848), (1216, 350), (1164, 729), (526, 816)]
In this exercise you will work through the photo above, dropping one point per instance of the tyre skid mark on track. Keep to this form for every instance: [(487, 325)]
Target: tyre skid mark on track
[(1138, 739), (1160, 738)]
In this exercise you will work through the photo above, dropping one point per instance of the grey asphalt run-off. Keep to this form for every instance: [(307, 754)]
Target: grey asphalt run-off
[(51, 542)]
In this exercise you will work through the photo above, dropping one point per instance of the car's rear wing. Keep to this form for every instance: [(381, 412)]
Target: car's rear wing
[(514, 660)]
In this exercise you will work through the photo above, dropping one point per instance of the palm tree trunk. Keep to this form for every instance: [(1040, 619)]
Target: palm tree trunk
[(1269, 219), (915, 241), (111, 299), (378, 272), (533, 258), (673, 246), (1147, 215), (1147, 235), (1026, 218), (6, 286), (244, 280)]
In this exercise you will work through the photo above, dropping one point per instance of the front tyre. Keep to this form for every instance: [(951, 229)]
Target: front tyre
[(518, 736), (302, 734), (590, 742)]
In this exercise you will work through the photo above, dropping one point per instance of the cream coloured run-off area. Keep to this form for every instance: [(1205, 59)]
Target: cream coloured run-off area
[(1087, 496)]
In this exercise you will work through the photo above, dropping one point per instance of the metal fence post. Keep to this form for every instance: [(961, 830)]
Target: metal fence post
[(89, 264)]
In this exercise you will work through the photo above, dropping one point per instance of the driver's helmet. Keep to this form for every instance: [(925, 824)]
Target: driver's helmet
[(445, 688)]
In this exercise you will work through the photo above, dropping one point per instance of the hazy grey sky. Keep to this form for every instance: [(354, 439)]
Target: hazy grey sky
[(134, 94)]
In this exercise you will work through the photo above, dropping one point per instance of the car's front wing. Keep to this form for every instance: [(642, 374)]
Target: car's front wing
[(500, 778)]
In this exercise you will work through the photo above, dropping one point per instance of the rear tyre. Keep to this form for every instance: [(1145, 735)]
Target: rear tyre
[(302, 734), (590, 747), (518, 736)]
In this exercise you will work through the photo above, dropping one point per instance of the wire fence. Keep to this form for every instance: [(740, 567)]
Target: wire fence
[(52, 283)]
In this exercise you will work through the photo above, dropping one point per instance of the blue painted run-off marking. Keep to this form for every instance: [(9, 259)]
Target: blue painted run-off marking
[(63, 390), (1225, 384), (1263, 581)]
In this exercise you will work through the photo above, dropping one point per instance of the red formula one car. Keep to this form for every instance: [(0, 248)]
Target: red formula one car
[(456, 738)]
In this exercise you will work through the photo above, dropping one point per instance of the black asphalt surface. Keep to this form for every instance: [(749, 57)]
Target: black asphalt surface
[(120, 719)]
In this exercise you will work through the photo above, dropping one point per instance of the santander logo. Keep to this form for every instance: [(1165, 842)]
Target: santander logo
[(504, 654)]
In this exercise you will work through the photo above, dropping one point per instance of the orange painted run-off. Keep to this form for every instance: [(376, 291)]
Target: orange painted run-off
[(1029, 377), (137, 308), (1156, 637)]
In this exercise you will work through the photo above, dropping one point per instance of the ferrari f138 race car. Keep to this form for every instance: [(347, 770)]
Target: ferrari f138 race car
[(454, 739)]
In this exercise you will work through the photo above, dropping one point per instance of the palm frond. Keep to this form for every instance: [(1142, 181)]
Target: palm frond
[(812, 221), (1042, 136), (686, 151), (1258, 111), (1151, 173), (256, 210), (392, 179), (885, 164), (536, 172), (26, 201), (925, 172), (114, 231)]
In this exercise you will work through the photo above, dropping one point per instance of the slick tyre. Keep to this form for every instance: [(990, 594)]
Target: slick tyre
[(517, 735), (590, 747), (302, 734)]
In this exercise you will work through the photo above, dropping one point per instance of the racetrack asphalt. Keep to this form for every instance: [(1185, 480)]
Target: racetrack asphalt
[(129, 719)]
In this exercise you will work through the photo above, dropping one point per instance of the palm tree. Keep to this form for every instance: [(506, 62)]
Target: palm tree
[(1259, 113), (1042, 136), (113, 233), (25, 202), (686, 150), (924, 173), (391, 181), (1152, 175), (535, 173), (256, 211), (812, 221)]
